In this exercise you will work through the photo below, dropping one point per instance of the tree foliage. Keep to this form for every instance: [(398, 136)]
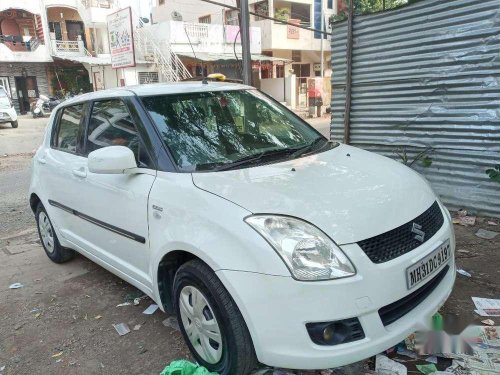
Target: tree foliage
[(368, 6)]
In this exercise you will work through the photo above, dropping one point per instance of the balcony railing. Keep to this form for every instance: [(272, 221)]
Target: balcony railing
[(18, 43), (197, 32), (69, 48), (106, 4)]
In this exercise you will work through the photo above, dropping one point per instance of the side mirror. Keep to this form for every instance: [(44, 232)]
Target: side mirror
[(112, 160)]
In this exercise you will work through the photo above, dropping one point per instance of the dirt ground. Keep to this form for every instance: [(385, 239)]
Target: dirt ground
[(60, 322)]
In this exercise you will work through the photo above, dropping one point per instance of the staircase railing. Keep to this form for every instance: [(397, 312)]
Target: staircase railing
[(168, 63)]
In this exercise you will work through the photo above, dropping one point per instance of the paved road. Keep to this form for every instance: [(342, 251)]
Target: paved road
[(24, 139)]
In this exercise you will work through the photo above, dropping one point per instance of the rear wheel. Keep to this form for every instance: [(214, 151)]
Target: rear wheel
[(48, 237), (210, 321), (14, 124)]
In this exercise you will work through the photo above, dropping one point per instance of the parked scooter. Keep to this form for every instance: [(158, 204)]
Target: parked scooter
[(43, 106)]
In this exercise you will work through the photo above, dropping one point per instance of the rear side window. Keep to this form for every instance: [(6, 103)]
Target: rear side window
[(68, 129), (111, 125)]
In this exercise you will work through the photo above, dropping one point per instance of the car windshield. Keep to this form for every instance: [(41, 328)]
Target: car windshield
[(222, 130)]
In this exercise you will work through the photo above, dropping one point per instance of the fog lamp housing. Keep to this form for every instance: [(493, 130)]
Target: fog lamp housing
[(335, 332)]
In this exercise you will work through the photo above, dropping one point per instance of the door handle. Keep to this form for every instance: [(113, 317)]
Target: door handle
[(80, 172)]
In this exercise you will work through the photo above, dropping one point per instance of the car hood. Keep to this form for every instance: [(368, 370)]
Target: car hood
[(350, 194)]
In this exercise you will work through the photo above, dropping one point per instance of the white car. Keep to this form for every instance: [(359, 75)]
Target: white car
[(272, 244), (8, 113)]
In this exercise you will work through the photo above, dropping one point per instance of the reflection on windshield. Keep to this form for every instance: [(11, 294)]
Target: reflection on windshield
[(207, 130)]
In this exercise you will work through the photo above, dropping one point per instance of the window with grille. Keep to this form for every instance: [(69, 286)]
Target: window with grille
[(148, 77), (205, 19)]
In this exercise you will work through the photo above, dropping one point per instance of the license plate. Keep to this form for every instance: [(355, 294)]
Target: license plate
[(428, 266)]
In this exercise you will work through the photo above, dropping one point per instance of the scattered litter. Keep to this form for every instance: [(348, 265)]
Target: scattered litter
[(122, 328), (486, 234), (97, 317), (462, 213), (492, 223), (432, 359), (137, 327), (59, 360), (37, 315), (137, 301), (16, 286), (57, 355), (427, 369), (183, 367), (34, 310), (407, 353), (488, 322), (463, 272), (124, 304), (171, 322), (487, 306), (151, 309), (410, 342), (467, 220), (386, 365), (464, 251), (2, 368)]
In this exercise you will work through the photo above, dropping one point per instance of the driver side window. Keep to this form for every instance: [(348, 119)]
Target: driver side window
[(111, 125)]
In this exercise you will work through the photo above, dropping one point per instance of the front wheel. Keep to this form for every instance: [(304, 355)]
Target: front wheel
[(14, 124), (210, 321)]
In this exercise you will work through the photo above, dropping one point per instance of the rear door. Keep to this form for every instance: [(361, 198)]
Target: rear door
[(113, 208), (61, 179)]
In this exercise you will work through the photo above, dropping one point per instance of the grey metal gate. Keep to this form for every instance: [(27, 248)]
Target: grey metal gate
[(427, 77)]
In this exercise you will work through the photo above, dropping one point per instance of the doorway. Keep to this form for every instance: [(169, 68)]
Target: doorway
[(75, 29), (55, 27), (27, 91)]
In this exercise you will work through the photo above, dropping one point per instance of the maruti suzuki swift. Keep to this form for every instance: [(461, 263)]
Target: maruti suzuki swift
[(271, 244)]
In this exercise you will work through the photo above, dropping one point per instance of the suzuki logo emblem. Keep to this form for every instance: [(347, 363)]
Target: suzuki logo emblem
[(417, 229)]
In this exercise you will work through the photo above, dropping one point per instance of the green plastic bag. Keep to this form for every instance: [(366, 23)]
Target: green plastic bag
[(183, 367), (427, 369)]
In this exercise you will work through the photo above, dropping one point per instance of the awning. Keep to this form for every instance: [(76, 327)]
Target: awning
[(208, 57), (91, 60)]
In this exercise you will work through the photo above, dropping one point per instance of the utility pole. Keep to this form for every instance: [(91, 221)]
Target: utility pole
[(244, 17), (322, 54)]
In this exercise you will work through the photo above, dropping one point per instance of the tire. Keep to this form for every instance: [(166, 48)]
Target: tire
[(48, 238), (14, 124), (237, 354)]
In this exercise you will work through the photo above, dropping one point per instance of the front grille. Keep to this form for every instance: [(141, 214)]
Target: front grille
[(399, 241), (390, 313)]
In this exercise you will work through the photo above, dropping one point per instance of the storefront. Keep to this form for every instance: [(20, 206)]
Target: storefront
[(24, 82)]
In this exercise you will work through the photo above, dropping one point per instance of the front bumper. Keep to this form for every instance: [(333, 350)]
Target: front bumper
[(276, 308)]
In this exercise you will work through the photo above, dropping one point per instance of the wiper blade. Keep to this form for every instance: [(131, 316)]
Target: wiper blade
[(308, 147), (253, 158)]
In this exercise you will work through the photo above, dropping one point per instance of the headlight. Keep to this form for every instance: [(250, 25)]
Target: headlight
[(308, 252)]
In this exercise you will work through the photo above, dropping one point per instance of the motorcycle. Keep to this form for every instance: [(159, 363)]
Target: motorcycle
[(43, 106)]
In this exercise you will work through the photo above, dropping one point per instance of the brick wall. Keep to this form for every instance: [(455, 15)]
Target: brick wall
[(12, 70)]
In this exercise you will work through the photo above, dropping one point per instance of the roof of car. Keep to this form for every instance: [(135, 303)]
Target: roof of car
[(158, 89)]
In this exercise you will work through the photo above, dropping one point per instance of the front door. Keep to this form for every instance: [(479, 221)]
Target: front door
[(27, 91), (114, 210), (75, 29)]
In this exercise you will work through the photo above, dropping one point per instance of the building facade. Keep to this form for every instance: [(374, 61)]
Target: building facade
[(292, 51), (55, 47)]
